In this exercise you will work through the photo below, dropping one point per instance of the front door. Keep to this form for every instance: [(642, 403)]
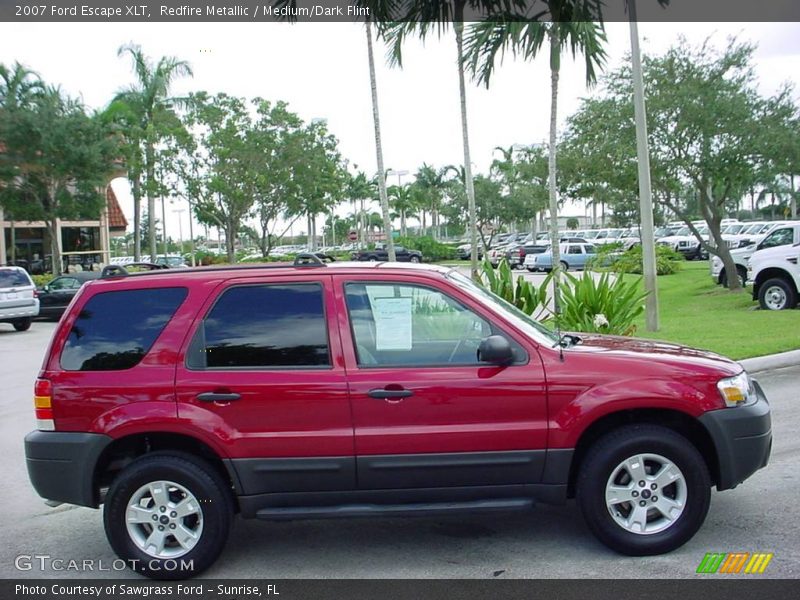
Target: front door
[(426, 412), (264, 371)]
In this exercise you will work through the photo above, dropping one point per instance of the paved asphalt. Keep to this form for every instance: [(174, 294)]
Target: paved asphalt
[(762, 515)]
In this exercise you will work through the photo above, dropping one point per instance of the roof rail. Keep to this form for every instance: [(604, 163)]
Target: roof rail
[(307, 259), (114, 271)]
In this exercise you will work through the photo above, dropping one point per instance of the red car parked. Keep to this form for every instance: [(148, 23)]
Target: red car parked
[(312, 391)]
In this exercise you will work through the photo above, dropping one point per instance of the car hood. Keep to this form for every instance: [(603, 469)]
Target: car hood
[(656, 352)]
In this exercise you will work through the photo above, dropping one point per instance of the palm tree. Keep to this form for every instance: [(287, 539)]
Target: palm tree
[(148, 102), (571, 23), (358, 189), (421, 18), (431, 184), (402, 201), (384, 198)]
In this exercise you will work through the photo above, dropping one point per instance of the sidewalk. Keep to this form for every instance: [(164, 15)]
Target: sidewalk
[(772, 361)]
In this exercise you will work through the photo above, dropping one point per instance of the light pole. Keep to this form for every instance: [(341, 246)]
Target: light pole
[(179, 212), (645, 194)]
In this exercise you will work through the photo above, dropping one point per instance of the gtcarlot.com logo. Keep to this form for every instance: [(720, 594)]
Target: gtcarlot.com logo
[(735, 563)]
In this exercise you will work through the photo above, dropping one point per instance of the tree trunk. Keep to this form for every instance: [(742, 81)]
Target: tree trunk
[(551, 165), (458, 25), (55, 251), (230, 240), (151, 199), (137, 216), (792, 200), (384, 198)]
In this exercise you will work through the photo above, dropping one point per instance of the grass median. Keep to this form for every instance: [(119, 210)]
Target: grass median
[(696, 312)]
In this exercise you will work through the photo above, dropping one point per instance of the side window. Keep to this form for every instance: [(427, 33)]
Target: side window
[(779, 237), (409, 325), (589, 249), (574, 249), (115, 330), (263, 326), (64, 283)]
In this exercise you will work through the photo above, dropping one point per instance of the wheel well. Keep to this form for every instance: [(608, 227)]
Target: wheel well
[(123, 451), (772, 273), (679, 422)]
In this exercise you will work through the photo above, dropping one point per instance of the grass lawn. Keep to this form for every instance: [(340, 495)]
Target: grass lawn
[(696, 312)]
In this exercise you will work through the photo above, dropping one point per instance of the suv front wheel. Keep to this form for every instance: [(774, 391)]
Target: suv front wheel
[(643, 490), (168, 515)]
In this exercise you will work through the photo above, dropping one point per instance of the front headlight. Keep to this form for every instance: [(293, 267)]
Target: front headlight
[(738, 390)]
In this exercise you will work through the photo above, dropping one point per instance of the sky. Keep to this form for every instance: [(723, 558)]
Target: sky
[(321, 70)]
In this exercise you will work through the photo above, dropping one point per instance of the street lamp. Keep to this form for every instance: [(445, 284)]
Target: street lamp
[(179, 212)]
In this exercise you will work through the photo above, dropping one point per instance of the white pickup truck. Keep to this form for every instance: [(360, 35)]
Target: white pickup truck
[(775, 272), (769, 237)]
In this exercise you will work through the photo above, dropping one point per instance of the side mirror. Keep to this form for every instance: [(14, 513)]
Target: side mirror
[(46, 288), (496, 350)]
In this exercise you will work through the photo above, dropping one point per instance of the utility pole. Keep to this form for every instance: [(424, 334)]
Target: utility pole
[(645, 193)]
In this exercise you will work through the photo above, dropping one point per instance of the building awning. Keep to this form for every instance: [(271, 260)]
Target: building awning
[(116, 218)]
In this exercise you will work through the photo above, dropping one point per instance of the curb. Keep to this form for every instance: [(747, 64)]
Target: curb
[(772, 361)]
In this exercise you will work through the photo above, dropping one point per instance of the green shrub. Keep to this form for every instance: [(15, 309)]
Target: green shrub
[(41, 280), (607, 304), (630, 261), (522, 293), (432, 250)]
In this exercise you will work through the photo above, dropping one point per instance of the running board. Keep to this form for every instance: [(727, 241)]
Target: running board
[(428, 509)]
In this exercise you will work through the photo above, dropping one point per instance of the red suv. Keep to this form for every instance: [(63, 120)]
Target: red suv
[(180, 398)]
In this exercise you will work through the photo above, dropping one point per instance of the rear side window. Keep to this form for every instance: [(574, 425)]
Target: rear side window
[(115, 330), (264, 326), (13, 278)]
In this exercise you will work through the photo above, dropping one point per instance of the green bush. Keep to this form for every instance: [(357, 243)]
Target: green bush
[(432, 250), (522, 293), (41, 280), (608, 304), (630, 261)]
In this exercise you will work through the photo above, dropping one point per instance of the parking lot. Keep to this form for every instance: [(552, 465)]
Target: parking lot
[(762, 515)]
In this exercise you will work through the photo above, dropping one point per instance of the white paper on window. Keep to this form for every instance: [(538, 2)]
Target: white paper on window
[(392, 323)]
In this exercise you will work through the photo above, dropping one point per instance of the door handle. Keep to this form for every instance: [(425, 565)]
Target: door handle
[(383, 394), (217, 397)]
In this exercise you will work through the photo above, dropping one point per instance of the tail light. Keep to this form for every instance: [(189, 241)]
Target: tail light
[(35, 293), (43, 402), (522, 252)]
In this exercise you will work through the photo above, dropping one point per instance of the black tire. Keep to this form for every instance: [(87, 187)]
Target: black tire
[(769, 295), (564, 265), (531, 269), (212, 492), (414, 259), (741, 271), (608, 453), (22, 324)]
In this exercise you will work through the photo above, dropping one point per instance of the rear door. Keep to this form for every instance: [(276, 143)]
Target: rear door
[(264, 372)]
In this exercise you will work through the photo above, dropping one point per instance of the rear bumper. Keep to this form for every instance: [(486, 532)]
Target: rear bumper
[(20, 312), (61, 465), (743, 439)]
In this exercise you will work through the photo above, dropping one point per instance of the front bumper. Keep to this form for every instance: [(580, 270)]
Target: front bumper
[(61, 464), (742, 437)]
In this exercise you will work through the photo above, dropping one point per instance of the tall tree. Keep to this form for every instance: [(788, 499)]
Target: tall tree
[(58, 159), (423, 17), (149, 103), (570, 24)]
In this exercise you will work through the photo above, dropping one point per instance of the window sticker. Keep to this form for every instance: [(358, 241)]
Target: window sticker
[(392, 323)]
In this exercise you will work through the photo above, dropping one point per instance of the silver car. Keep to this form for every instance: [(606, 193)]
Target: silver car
[(18, 299)]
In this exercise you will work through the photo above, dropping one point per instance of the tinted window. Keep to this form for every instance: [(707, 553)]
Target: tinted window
[(115, 330), (64, 283), (13, 278), (267, 326)]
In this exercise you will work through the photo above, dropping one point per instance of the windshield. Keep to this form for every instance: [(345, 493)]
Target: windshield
[(13, 278), (533, 328), (590, 235)]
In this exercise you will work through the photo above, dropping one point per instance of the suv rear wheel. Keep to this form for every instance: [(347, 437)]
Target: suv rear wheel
[(643, 490), (22, 324), (168, 515), (776, 294)]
